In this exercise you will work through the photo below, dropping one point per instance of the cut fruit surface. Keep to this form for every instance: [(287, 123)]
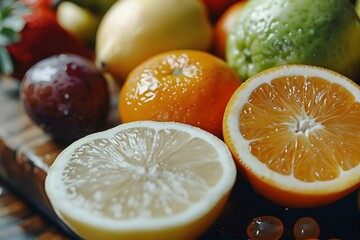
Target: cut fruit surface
[(295, 134), (142, 180)]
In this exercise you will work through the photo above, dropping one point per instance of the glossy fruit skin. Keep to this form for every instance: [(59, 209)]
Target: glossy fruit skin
[(79, 21), (43, 37), (133, 31), (311, 32), (186, 86), (66, 96)]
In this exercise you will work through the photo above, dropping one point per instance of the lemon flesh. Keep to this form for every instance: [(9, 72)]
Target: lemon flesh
[(278, 32), (141, 182)]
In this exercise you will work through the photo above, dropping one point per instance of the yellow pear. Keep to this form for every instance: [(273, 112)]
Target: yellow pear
[(134, 30), (78, 20)]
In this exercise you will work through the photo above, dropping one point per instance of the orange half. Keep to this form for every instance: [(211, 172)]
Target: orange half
[(294, 132)]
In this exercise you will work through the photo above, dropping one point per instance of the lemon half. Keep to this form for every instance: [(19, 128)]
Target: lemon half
[(142, 180)]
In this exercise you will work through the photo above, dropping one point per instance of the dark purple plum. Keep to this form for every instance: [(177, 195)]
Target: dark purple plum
[(66, 96)]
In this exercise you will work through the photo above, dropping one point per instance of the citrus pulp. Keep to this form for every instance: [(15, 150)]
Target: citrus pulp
[(142, 180), (295, 134)]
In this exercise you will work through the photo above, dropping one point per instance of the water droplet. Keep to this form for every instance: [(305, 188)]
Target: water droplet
[(2, 191), (177, 72), (306, 227), (265, 227)]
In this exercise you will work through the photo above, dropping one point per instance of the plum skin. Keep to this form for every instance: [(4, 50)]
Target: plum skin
[(66, 96)]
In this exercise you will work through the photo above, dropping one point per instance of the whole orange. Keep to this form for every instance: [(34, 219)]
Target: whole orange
[(224, 25), (187, 86)]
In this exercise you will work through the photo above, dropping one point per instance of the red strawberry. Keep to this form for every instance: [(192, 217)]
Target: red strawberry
[(42, 37)]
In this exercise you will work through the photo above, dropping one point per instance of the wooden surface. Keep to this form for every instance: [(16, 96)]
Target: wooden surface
[(19, 221), (26, 153)]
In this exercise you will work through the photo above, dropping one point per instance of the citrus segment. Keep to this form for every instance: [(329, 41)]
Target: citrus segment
[(142, 180), (295, 130)]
